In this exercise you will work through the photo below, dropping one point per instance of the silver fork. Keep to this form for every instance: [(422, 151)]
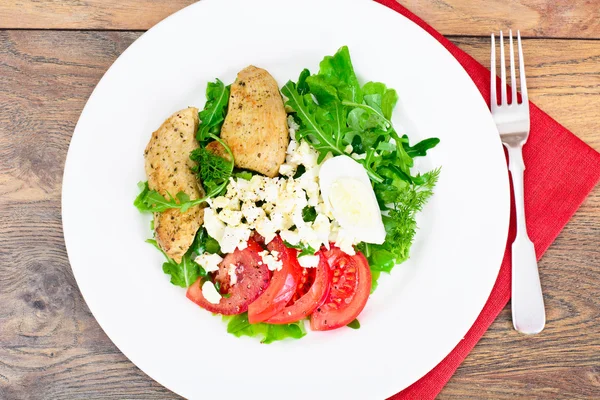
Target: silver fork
[(512, 120)]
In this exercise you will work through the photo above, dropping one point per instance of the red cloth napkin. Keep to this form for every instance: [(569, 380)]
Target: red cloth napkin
[(561, 171)]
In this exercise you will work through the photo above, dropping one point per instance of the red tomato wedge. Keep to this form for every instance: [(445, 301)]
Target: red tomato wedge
[(282, 287), (252, 280), (311, 292), (348, 293)]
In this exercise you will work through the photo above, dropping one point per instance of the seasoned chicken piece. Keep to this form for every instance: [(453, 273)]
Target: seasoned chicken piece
[(168, 167), (217, 149), (255, 127)]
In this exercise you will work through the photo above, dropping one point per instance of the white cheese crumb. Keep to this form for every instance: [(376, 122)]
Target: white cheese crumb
[(272, 260), (358, 156), (231, 217), (234, 237), (210, 293), (214, 226), (287, 170), (308, 261), (232, 274), (348, 149), (210, 262)]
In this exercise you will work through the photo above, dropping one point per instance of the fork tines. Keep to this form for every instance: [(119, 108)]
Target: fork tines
[(513, 78)]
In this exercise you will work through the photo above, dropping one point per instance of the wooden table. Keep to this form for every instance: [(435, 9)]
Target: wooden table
[(52, 54)]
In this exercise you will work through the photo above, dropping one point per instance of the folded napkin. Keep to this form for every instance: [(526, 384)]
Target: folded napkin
[(560, 172)]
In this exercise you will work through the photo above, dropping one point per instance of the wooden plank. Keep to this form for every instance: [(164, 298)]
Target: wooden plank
[(52, 347), (535, 18), (563, 79), (540, 18)]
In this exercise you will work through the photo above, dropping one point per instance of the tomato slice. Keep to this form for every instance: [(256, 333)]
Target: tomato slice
[(311, 292), (282, 287), (349, 291), (252, 280)]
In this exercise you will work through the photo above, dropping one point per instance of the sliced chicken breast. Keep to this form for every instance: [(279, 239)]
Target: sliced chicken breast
[(255, 127), (168, 168)]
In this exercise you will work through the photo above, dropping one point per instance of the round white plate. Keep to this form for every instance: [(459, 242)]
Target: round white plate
[(416, 316)]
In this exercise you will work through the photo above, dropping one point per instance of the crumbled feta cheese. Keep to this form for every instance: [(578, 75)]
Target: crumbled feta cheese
[(210, 262), (273, 205), (348, 149), (266, 229), (271, 260), (210, 293), (287, 170), (291, 237), (251, 212), (293, 126), (230, 217), (234, 237), (358, 156), (214, 226), (308, 261), (232, 274), (308, 155)]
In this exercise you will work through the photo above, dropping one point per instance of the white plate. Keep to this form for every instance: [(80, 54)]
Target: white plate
[(416, 316)]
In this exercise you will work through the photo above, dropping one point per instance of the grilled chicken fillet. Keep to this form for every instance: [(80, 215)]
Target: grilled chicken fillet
[(255, 127), (168, 168)]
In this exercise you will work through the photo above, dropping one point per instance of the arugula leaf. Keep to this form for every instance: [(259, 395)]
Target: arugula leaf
[(203, 243), (186, 272), (419, 149), (213, 114), (246, 175), (354, 324), (183, 274), (238, 325), (305, 249), (315, 126), (309, 214), (152, 201), (302, 85)]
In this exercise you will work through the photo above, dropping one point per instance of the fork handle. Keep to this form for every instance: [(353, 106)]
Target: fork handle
[(527, 302)]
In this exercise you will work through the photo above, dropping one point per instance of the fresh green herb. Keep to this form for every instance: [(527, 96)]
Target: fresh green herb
[(354, 324), (334, 111), (213, 114), (309, 214), (183, 274), (299, 171), (238, 325), (203, 243), (305, 249), (214, 171), (243, 174)]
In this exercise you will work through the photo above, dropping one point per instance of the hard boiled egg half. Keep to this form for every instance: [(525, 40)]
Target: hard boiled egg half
[(346, 187)]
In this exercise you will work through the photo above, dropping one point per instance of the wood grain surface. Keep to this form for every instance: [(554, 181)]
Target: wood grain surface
[(539, 18), (51, 347)]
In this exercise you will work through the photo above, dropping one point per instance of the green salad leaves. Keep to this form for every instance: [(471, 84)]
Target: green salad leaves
[(339, 116), (238, 325)]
